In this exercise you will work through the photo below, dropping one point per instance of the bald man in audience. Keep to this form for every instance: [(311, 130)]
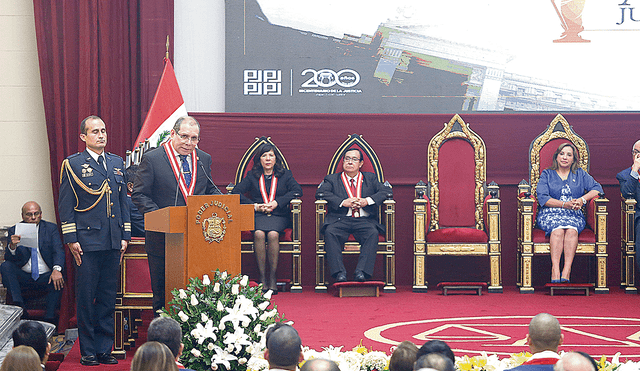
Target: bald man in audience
[(284, 347), (319, 364), (544, 338), (575, 361), (37, 268), (434, 361)]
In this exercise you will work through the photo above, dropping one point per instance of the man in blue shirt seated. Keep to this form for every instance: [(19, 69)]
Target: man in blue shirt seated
[(35, 268)]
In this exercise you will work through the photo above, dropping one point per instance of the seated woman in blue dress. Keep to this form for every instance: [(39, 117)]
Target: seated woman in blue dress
[(270, 188), (562, 191)]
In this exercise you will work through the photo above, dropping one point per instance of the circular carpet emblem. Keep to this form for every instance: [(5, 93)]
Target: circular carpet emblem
[(505, 335)]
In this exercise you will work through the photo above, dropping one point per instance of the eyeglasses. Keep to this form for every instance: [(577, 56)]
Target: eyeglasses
[(635, 151), (352, 159), (186, 138), (31, 215)]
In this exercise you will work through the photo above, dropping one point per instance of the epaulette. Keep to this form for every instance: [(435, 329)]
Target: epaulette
[(112, 154), (74, 155)]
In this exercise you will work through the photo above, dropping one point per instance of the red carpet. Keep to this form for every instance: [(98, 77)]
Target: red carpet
[(495, 323)]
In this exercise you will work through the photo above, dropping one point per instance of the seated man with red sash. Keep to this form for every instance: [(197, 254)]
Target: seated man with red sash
[(352, 201)]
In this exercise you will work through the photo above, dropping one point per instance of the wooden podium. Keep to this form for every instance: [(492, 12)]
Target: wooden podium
[(201, 237)]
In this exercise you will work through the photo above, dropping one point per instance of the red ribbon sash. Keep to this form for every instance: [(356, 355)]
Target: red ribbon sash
[(175, 167), (358, 182), (272, 191)]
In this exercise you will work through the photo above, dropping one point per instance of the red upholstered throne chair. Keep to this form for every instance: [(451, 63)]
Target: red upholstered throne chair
[(291, 239), (455, 212), (133, 296), (531, 240), (386, 243)]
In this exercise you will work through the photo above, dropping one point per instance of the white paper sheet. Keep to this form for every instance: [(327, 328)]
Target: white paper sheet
[(28, 234)]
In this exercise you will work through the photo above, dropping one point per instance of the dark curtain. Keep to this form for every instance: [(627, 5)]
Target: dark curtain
[(97, 58)]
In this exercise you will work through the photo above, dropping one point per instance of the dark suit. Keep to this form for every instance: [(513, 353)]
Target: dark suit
[(287, 187), (94, 212), (15, 279), (338, 226), (155, 187), (630, 188)]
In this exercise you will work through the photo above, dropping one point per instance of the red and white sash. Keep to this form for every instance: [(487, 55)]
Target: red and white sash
[(347, 186), (175, 167), (272, 191)]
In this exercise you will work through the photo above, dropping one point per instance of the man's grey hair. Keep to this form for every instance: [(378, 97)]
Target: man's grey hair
[(435, 361), (187, 120)]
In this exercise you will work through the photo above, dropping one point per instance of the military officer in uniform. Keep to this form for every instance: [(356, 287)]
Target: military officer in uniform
[(96, 227)]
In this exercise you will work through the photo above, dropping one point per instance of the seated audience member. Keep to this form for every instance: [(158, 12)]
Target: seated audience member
[(434, 361), (576, 361), (21, 358), (137, 219), (48, 259), (153, 356), (353, 199), (436, 346), (544, 338), (630, 188), (167, 331), (319, 364), (32, 334), (284, 347), (403, 357)]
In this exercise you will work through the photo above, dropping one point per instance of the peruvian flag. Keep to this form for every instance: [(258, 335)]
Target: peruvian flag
[(166, 108)]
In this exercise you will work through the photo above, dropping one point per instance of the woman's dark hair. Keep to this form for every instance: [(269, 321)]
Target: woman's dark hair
[(576, 157), (436, 346), (278, 168)]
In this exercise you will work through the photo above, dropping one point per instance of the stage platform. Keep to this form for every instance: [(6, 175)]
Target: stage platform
[(493, 323)]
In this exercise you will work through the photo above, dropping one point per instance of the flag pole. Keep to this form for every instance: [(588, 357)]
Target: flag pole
[(166, 55)]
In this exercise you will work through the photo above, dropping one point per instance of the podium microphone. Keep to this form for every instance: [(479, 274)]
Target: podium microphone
[(208, 178)]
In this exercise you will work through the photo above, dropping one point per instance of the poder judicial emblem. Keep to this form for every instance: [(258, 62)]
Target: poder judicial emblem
[(214, 227)]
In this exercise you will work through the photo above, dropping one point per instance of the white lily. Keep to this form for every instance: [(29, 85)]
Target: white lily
[(237, 339), (222, 357), (204, 318), (205, 280), (196, 352), (182, 294), (236, 314), (223, 275), (194, 300), (244, 281), (201, 333), (216, 287), (235, 289)]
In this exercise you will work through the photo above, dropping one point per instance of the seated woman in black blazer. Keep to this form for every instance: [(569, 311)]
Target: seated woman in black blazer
[(270, 188)]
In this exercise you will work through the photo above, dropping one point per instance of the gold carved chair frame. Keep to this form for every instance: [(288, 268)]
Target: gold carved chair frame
[(456, 128), (559, 128), (386, 248)]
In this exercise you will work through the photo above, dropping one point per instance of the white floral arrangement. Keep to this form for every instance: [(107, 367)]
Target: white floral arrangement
[(223, 322), (361, 359)]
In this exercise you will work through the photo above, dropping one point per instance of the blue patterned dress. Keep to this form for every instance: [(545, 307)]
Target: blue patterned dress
[(550, 186)]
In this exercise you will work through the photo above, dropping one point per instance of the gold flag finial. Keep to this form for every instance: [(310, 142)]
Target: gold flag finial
[(167, 53)]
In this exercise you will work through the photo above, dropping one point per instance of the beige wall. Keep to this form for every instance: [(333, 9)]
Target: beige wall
[(24, 149)]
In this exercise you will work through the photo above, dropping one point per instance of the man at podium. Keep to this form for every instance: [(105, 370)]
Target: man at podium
[(167, 175)]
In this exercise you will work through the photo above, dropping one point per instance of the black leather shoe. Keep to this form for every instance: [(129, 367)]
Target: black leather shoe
[(341, 277), (359, 277), (89, 361), (106, 359)]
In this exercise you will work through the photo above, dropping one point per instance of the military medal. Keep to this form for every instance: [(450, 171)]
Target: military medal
[(355, 212)]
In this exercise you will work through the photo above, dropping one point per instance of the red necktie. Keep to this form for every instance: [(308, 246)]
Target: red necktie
[(353, 188)]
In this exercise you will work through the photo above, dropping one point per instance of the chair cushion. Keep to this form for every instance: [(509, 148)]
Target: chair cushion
[(366, 161), (456, 182), (587, 236), (547, 151), (449, 235), (286, 236)]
